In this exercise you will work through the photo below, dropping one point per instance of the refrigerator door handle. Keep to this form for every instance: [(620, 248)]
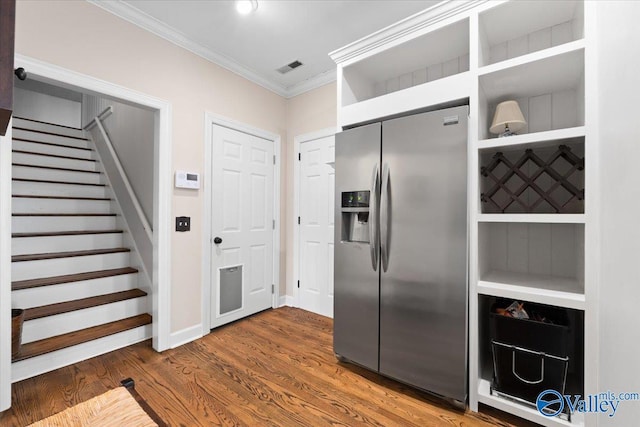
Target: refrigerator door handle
[(374, 243), (384, 217)]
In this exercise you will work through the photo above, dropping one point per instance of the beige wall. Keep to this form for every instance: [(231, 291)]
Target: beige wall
[(309, 112), (81, 37)]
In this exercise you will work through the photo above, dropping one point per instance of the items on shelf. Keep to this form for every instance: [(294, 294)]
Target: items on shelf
[(530, 194), (530, 354), (508, 119)]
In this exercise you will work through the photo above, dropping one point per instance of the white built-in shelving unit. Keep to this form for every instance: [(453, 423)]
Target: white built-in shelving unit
[(483, 53)]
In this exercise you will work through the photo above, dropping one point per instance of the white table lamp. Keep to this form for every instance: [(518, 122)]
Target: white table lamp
[(508, 119)]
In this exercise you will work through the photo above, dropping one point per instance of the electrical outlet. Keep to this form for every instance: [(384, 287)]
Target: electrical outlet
[(183, 223)]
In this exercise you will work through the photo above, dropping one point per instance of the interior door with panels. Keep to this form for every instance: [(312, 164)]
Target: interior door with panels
[(316, 207), (242, 225)]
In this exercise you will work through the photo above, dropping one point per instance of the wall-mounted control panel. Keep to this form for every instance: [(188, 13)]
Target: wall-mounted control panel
[(189, 180)]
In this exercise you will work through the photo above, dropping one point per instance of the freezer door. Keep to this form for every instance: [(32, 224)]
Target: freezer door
[(423, 221), (356, 281)]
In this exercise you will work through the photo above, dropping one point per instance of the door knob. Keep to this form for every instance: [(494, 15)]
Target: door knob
[(217, 240)]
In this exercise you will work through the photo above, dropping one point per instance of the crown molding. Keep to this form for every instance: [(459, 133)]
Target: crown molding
[(147, 22), (314, 82), (407, 26)]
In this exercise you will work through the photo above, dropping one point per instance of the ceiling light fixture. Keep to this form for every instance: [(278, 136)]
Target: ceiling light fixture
[(245, 7)]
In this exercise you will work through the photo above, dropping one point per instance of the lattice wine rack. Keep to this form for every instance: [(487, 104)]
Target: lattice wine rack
[(522, 182)]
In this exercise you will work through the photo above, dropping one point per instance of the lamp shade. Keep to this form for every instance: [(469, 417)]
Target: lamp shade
[(508, 115)]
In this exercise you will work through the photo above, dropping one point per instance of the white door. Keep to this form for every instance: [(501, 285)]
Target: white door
[(242, 225), (317, 183)]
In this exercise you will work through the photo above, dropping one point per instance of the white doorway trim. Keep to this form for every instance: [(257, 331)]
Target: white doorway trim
[(161, 307), (295, 230), (211, 119), (5, 270)]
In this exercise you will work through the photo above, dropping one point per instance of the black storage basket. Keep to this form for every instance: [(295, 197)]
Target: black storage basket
[(529, 356)]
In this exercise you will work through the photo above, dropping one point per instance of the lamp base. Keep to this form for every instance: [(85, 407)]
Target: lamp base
[(507, 132)]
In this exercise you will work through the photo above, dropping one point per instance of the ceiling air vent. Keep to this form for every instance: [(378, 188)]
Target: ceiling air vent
[(292, 66)]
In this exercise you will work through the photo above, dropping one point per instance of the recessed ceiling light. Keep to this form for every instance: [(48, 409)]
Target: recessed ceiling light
[(245, 7)]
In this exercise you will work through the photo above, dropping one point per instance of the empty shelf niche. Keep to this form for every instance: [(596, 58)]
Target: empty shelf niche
[(433, 56), (518, 28), (544, 260)]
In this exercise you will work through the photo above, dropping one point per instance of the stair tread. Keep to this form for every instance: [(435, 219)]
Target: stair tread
[(52, 155), (80, 304), (64, 233), (54, 255), (45, 123), (34, 196), (63, 214), (46, 181), (68, 278), (26, 165), (53, 144), (49, 133), (48, 345)]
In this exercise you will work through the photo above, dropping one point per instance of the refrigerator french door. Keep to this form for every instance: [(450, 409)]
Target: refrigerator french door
[(400, 302)]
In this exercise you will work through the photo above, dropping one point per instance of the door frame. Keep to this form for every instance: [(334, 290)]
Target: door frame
[(161, 308), (295, 229), (211, 119)]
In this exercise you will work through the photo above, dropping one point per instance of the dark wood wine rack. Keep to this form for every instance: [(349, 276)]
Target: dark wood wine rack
[(528, 194)]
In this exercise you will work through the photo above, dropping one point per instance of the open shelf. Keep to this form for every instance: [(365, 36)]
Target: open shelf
[(564, 49), (534, 257), (557, 291), (518, 28), (546, 103), (419, 61), (573, 348), (523, 411)]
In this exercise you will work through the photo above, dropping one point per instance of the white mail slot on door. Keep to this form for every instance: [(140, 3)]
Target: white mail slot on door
[(187, 180)]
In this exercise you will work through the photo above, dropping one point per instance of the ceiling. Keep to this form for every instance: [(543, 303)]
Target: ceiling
[(277, 33)]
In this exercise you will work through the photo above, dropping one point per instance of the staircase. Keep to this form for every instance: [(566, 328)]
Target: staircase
[(71, 269)]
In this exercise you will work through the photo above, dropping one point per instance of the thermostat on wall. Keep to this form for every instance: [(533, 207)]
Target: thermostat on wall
[(187, 180)]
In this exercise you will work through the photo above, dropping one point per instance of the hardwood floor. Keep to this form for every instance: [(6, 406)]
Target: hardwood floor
[(276, 368)]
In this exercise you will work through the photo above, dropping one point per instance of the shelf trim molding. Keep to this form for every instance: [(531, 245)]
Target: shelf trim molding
[(574, 46), (534, 218), (537, 295), (523, 411), (533, 138), (405, 27)]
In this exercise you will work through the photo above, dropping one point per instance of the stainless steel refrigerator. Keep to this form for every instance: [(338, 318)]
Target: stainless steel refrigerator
[(400, 302)]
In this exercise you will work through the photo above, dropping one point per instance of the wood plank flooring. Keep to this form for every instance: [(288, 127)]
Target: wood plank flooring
[(275, 368)]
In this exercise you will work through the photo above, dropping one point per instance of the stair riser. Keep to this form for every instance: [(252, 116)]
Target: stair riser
[(32, 159), (50, 224), (50, 189), (45, 295), (31, 245), (48, 362), (56, 175), (50, 326), (52, 149), (26, 205), (54, 139), (28, 124), (72, 265)]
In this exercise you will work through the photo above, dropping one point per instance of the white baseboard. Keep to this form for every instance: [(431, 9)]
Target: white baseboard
[(286, 301), (192, 333)]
